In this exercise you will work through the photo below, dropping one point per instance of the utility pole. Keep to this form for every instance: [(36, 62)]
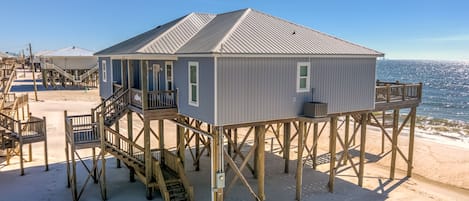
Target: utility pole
[(33, 70)]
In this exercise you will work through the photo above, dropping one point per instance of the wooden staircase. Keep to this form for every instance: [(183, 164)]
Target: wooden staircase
[(168, 173)]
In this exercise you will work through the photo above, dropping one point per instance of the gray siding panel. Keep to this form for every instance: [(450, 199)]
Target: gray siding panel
[(262, 89), (105, 88), (205, 110), (347, 85)]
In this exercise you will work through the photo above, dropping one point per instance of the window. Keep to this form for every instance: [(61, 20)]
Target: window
[(193, 77), (169, 75), (303, 77), (104, 70)]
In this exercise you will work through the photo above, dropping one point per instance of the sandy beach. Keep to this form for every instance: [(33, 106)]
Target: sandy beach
[(441, 166)]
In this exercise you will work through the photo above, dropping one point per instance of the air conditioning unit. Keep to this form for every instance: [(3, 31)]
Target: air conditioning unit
[(315, 109)]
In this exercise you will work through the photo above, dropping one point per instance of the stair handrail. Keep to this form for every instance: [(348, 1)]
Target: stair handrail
[(110, 134), (107, 101), (7, 87), (61, 71), (174, 163), (158, 174), (89, 72), (124, 96)]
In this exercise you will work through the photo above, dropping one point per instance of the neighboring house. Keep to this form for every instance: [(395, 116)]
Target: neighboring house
[(243, 66), (71, 65)]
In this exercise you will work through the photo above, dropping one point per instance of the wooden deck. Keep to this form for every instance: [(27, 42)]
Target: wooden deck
[(392, 95)]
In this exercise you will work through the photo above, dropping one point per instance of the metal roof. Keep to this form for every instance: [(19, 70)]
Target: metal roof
[(70, 52), (164, 39), (244, 31), (4, 55)]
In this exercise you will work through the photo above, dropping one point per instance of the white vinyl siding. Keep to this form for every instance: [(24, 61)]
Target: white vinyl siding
[(193, 78), (169, 75), (303, 77), (104, 70)]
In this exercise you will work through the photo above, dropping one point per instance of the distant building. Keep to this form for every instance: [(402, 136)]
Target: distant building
[(68, 66)]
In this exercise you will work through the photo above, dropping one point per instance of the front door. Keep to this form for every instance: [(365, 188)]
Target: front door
[(153, 77)]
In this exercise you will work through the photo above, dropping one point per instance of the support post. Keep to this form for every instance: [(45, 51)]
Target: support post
[(411, 141), (260, 134), (395, 128), (44, 130), (180, 143), (197, 147), (315, 145), (332, 150), (130, 136), (148, 157), (118, 162), (286, 145), (346, 145), (103, 158), (299, 163), (217, 163), (362, 148), (67, 153), (161, 133)]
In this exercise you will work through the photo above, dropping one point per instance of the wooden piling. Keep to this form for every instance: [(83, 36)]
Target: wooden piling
[(299, 164), (260, 134), (332, 150), (286, 145), (411, 141), (395, 128), (361, 170)]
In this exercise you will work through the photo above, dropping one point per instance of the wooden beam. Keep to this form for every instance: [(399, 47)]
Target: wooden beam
[(361, 171), (103, 158), (118, 162), (260, 133), (346, 137), (240, 175), (180, 143), (130, 132), (148, 157), (395, 124), (332, 150), (411, 141), (315, 145), (286, 145), (299, 164)]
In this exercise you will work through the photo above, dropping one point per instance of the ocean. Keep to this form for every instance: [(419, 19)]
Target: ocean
[(444, 109)]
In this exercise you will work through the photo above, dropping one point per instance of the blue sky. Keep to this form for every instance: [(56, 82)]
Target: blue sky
[(401, 29)]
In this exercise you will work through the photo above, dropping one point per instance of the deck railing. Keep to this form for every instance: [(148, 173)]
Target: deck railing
[(117, 105), (81, 129), (32, 130), (156, 99), (395, 91), (124, 145)]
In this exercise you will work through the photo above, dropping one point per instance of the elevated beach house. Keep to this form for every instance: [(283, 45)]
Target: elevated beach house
[(242, 66), (211, 75), (69, 66)]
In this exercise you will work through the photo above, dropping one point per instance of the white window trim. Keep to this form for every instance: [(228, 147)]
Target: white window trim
[(298, 77), (166, 74), (104, 70), (196, 64)]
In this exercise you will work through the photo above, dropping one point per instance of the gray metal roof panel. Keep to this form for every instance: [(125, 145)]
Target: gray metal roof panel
[(178, 35), (70, 52), (207, 39), (259, 33), (132, 45)]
